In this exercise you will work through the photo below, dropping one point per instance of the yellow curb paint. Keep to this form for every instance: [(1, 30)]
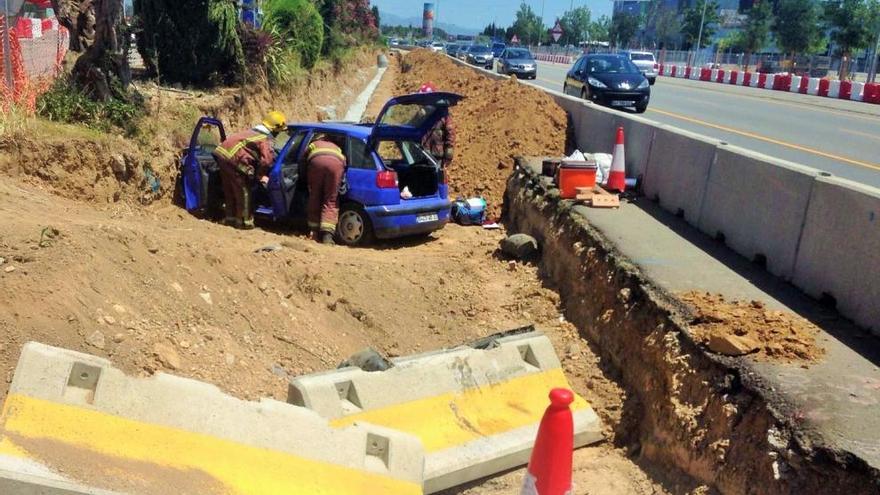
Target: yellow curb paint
[(452, 419), (241, 469)]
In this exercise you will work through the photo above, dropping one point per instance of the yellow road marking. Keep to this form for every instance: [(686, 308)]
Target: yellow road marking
[(863, 134), (450, 420), (759, 137), (40, 426)]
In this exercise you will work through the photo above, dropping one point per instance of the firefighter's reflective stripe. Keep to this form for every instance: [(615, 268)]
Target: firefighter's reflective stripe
[(316, 151), (239, 145)]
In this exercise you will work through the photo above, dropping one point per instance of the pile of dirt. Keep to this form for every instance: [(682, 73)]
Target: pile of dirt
[(740, 328), (497, 121)]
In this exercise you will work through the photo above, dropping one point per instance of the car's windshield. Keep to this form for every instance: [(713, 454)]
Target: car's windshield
[(403, 153), (519, 53), (437, 43), (642, 56), (480, 49), (498, 46), (611, 64)]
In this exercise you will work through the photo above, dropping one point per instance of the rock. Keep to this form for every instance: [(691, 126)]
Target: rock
[(2, 260), (368, 360), (271, 248), (166, 355), (263, 286), (624, 294), (119, 309), (117, 164), (109, 320), (118, 338), (519, 246), (152, 249), (251, 277), (732, 345), (177, 287), (230, 359), (9, 269), (184, 344), (206, 296), (96, 339)]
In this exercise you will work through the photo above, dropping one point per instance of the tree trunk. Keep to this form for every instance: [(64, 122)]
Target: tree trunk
[(78, 16), (747, 60), (102, 71), (844, 66)]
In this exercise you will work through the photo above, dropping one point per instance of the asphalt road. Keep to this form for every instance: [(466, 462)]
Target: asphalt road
[(835, 136)]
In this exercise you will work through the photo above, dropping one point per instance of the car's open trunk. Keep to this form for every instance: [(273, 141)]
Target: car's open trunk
[(421, 180)]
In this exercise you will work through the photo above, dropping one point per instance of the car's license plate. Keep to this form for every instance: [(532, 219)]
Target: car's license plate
[(621, 103), (427, 217)]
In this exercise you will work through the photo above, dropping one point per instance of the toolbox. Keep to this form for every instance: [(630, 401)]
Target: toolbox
[(574, 174)]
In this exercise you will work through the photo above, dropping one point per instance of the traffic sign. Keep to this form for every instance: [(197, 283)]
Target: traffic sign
[(515, 39), (557, 31)]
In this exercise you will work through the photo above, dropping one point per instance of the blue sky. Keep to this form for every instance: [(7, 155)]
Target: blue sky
[(479, 13)]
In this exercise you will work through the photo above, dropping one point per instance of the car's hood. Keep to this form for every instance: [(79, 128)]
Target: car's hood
[(620, 81), (481, 54), (521, 61)]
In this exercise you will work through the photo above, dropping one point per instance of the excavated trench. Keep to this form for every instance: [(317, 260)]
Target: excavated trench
[(704, 416)]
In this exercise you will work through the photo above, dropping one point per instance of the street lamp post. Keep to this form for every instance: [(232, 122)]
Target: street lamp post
[(541, 30), (872, 73), (700, 35), (7, 48)]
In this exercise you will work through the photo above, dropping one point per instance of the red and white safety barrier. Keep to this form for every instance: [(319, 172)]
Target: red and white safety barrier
[(844, 90), (557, 59), (29, 28)]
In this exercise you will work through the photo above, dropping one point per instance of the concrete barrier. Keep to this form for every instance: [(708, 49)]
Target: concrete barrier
[(639, 134), (839, 253), (598, 132), (678, 171), (813, 86), (856, 92), (834, 88), (476, 411), (71, 420), (758, 203)]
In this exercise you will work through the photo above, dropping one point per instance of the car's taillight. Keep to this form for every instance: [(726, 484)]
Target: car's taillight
[(656, 66), (444, 179), (386, 180)]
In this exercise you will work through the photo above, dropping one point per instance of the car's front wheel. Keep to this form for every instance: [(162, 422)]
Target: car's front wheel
[(641, 108), (652, 80), (583, 93), (354, 227)]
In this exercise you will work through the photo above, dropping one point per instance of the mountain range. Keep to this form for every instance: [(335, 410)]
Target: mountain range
[(389, 19)]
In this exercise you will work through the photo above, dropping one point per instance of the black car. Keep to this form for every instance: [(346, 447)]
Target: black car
[(480, 55), (519, 62), (611, 80), (452, 49)]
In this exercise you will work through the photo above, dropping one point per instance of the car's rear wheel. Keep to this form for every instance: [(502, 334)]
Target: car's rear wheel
[(354, 227)]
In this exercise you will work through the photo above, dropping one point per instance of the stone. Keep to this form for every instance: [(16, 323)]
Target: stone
[(119, 309), (109, 320), (166, 355), (230, 359), (118, 338), (96, 339), (519, 246), (176, 287), (117, 164), (206, 296), (9, 269), (732, 345)]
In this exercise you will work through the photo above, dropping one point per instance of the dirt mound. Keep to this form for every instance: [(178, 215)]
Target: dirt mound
[(738, 327), (497, 121)]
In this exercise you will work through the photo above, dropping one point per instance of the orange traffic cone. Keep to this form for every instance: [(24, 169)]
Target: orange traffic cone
[(550, 467), (617, 177)]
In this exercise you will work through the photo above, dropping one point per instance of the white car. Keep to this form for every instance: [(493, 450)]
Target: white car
[(646, 63), (437, 47)]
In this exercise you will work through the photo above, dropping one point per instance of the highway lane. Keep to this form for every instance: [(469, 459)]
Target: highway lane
[(839, 137)]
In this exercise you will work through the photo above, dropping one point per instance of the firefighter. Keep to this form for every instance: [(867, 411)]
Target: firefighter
[(325, 167), (242, 157), (440, 142)]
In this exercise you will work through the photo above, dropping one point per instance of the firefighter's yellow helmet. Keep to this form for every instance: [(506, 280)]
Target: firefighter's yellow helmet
[(275, 121)]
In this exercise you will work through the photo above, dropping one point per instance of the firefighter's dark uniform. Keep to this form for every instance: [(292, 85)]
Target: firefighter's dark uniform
[(326, 164), (241, 157)]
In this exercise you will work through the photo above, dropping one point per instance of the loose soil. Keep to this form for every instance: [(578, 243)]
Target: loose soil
[(773, 334), (496, 122)]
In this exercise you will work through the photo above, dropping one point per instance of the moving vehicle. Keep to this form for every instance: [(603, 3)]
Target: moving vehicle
[(463, 53), (518, 62), (498, 49), (646, 63), (394, 42), (452, 49), (611, 80), (437, 46), (382, 160), (480, 55)]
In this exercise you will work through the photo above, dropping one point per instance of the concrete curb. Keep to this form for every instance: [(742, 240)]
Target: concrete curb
[(73, 413), (476, 411)]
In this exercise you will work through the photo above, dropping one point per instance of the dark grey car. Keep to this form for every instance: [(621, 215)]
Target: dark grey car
[(480, 55), (518, 62)]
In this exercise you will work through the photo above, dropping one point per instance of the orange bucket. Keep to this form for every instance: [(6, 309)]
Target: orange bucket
[(574, 174)]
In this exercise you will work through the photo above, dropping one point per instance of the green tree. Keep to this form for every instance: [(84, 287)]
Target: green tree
[(600, 29), (662, 22), (846, 19), (623, 28), (797, 26), (492, 30), (575, 25), (375, 11), (690, 26), (756, 30), (527, 26), (298, 29)]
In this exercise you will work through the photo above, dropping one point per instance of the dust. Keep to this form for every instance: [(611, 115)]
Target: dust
[(763, 333), (117, 474), (497, 121)]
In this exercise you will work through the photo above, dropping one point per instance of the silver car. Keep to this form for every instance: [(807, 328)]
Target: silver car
[(480, 55), (646, 63)]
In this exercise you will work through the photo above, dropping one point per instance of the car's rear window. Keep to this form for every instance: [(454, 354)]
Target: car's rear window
[(642, 56)]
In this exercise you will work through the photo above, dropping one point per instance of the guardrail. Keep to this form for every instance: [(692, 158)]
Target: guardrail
[(817, 231)]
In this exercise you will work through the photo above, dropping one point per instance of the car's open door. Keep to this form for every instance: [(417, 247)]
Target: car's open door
[(198, 164), (410, 117)]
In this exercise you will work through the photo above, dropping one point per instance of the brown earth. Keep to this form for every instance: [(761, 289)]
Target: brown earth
[(496, 122), (757, 330)]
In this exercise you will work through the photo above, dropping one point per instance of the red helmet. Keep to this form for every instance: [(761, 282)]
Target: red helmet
[(428, 87)]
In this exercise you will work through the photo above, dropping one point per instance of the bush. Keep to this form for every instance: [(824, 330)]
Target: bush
[(297, 28), (66, 103)]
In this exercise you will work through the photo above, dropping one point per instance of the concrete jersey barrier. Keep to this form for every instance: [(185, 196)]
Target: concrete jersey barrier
[(476, 411), (73, 424)]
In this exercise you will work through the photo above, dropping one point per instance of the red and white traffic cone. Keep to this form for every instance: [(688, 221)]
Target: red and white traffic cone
[(617, 177), (550, 466)]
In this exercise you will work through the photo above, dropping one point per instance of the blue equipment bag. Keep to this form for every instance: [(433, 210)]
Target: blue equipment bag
[(469, 212)]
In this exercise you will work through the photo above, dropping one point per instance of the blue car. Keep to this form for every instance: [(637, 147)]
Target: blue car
[(385, 162)]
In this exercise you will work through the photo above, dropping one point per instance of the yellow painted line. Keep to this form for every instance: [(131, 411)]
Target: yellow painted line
[(453, 419), (862, 134), (70, 439), (759, 137)]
